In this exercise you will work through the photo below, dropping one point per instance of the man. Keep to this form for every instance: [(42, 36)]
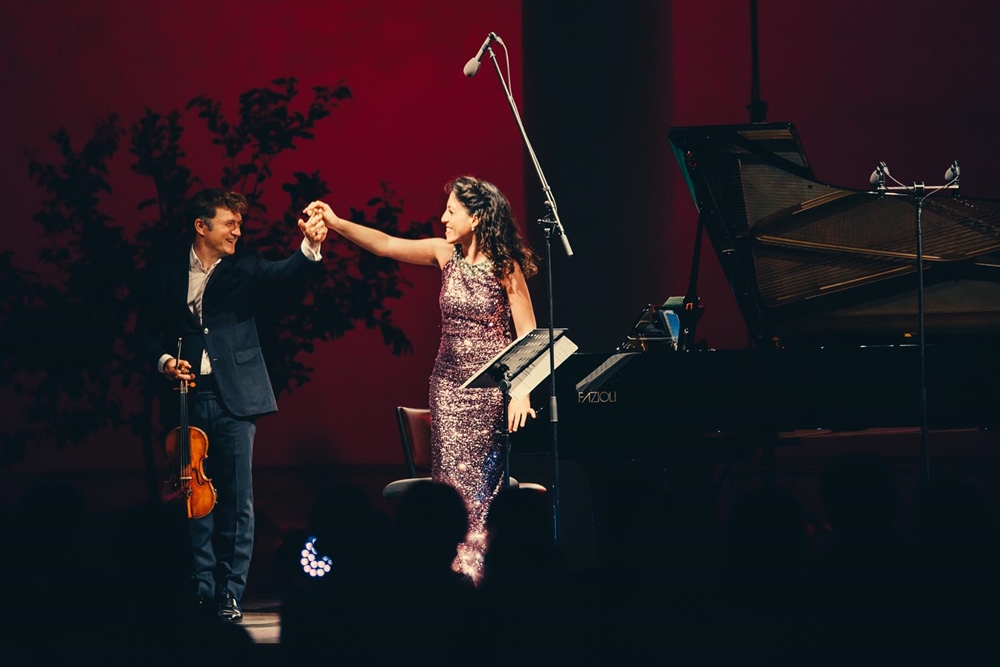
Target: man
[(205, 297)]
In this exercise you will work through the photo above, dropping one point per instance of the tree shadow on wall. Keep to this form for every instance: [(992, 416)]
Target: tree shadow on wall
[(64, 327)]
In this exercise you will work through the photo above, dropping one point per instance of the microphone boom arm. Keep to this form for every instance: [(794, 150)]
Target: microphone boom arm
[(550, 200)]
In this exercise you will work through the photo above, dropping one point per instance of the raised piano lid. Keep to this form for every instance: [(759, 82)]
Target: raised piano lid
[(811, 262)]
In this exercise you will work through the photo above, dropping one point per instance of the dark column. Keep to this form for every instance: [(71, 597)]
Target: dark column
[(596, 108)]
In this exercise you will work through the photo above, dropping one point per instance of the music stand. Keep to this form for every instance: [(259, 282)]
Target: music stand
[(516, 370)]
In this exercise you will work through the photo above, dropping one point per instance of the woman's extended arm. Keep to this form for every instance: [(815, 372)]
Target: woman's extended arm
[(433, 251)]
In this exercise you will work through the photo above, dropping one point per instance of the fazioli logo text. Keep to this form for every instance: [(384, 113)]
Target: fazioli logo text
[(597, 397)]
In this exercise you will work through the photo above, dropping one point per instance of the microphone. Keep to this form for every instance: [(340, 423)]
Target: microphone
[(952, 173), (877, 179), (472, 66)]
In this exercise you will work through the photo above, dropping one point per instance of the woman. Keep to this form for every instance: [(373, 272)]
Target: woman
[(484, 263)]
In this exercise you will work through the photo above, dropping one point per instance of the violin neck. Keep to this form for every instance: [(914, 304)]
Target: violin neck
[(184, 433)]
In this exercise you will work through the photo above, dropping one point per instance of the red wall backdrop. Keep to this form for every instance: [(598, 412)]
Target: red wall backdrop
[(415, 121), (911, 83)]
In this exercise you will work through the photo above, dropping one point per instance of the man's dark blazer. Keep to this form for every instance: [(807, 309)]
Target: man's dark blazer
[(228, 329)]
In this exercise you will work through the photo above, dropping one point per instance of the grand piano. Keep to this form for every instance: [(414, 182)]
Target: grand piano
[(826, 280)]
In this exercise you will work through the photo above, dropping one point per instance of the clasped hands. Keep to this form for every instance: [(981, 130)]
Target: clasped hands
[(313, 229), (320, 213)]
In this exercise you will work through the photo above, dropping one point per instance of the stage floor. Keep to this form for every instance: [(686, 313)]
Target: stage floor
[(262, 620)]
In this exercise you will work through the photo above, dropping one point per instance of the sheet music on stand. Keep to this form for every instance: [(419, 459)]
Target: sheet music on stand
[(524, 363)]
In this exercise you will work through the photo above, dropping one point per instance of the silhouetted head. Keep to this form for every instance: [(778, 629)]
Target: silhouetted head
[(520, 515), (949, 512), (520, 547), (431, 521), (859, 494), (348, 528), (766, 535)]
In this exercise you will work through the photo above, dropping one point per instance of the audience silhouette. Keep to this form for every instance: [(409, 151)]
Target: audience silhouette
[(873, 580)]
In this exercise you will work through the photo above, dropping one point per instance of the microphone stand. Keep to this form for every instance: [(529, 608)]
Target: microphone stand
[(757, 106), (919, 192), (553, 227)]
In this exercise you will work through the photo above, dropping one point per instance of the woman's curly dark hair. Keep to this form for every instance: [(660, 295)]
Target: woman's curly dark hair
[(497, 233)]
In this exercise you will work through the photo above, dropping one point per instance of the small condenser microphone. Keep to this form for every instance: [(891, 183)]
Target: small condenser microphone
[(472, 66)]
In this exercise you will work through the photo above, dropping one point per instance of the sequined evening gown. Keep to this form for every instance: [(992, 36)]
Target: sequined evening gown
[(465, 423)]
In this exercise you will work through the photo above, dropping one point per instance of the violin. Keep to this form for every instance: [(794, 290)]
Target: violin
[(187, 448)]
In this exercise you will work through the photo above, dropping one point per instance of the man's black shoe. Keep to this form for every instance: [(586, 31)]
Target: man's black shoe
[(229, 608)]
